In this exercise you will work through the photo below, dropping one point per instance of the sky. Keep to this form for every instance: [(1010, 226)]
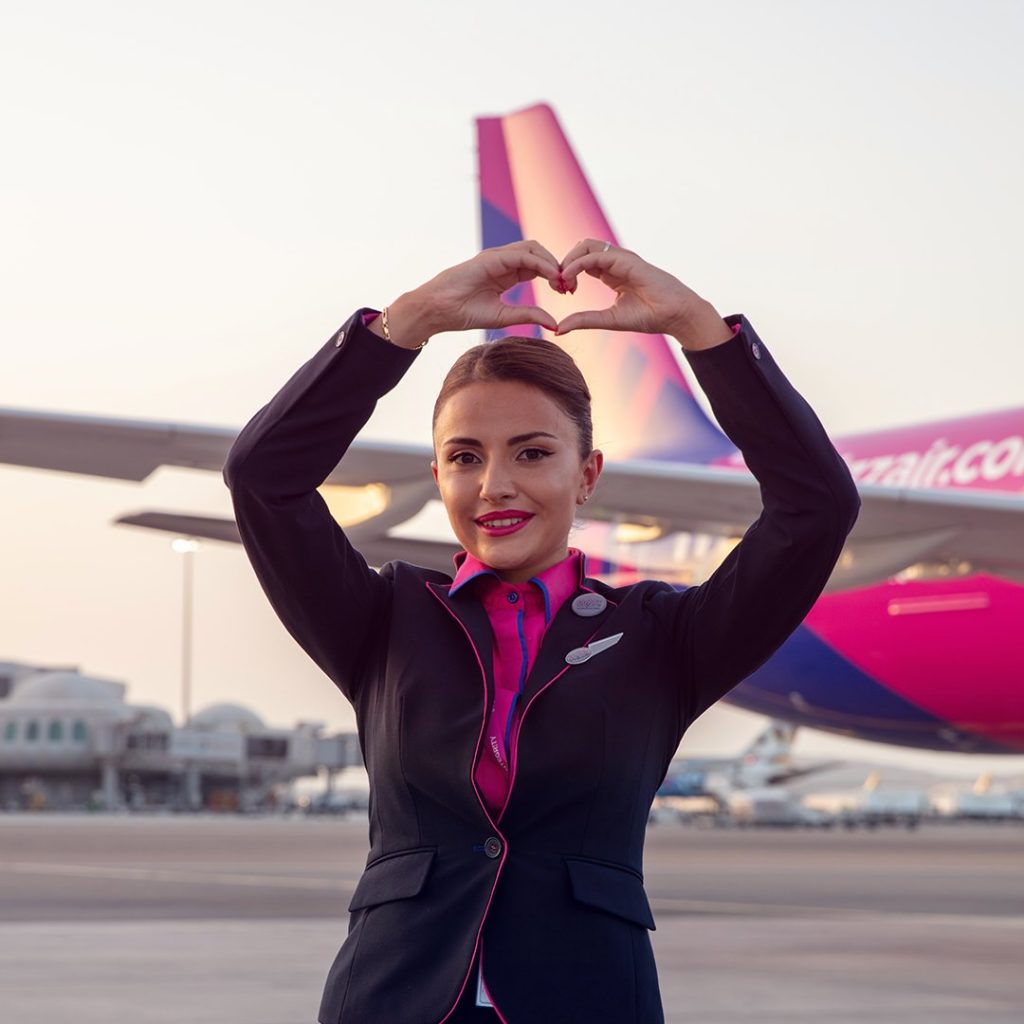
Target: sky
[(195, 196)]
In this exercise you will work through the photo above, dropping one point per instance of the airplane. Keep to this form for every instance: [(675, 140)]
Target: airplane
[(872, 805), (767, 761), (771, 806), (981, 802), (748, 788), (915, 640)]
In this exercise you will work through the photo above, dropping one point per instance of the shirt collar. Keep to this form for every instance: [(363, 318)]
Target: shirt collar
[(555, 583)]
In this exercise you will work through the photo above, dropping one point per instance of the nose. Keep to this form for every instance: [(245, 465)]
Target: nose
[(497, 482)]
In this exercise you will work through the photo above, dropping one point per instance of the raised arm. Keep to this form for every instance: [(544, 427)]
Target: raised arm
[(333, 604), (323, 591), (729, 625), (722, 630)]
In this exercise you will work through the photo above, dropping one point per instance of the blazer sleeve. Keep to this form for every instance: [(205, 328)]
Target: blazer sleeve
[(325, 594), (722, 630)]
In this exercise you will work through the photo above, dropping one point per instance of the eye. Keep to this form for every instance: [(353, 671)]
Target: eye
[(457, 458), (540, 453)]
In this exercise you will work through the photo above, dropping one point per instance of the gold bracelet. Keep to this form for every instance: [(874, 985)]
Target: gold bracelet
[(387, 330)]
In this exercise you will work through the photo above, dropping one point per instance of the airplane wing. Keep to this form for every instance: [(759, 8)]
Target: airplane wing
[(897, 527), (126, 449)]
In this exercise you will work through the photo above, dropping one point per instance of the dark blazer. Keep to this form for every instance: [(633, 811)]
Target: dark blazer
[(554, 887)]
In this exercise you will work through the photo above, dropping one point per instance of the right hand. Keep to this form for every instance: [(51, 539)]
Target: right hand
[(467, 296), (648, 300)]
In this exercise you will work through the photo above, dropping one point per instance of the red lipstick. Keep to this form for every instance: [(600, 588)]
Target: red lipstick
[(489, 522)]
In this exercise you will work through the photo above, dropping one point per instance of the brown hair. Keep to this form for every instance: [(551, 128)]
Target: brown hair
[(541, 364)]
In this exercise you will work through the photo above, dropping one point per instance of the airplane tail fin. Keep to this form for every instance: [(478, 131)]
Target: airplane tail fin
[(532, 186), (767, 759), (773, 742), (770, 750)]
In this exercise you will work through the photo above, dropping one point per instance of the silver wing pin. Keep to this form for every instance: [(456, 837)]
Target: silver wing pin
[(578, 655)]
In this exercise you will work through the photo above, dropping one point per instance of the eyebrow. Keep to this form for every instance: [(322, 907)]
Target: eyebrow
[(518, 439)]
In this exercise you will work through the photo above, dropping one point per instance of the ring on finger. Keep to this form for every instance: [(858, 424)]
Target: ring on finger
[(607, 246)]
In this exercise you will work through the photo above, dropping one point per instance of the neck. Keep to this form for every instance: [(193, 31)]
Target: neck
[(522, 575)]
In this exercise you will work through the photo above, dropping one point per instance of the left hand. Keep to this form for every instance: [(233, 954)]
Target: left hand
[(468, 296), (649, 300)]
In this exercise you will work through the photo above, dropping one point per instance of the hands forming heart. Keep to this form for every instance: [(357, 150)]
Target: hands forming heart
[(648, 300)]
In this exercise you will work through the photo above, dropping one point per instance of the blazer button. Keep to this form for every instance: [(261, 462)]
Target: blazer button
[(756, 349), (340, 338), (492, 846)]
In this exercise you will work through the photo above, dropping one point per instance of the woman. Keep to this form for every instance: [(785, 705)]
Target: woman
[(517, 719)]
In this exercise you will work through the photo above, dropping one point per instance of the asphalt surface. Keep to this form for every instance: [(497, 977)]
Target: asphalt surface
[(223, 919)]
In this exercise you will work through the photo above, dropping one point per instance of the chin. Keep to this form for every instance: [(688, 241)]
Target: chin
[(503, 555), (502, 558)]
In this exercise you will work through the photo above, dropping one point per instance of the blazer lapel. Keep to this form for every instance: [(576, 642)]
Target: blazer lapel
[(567, 631), (469, 613)]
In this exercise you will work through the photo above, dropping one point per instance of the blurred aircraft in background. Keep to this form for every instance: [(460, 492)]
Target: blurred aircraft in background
[(768, 761)]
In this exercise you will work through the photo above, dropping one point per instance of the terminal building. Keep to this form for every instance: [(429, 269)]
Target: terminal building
[(72, 741)]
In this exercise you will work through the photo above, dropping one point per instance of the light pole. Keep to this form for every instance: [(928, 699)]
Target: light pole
[(186, 546)]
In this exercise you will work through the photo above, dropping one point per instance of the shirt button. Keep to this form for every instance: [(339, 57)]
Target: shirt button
[(492, 846), (756, 349), (513, 596), (340, 338)]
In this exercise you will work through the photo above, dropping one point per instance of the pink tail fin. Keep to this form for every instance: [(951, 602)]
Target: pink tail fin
[(532, 186)]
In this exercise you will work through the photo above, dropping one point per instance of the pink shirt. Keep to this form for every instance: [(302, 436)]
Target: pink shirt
[(519, 613)]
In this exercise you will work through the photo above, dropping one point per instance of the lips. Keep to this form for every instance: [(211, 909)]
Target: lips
[(509, 520), (506, 517)]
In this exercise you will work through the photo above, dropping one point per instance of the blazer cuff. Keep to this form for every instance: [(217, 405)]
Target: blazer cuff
[(374, 355), (712, 360)]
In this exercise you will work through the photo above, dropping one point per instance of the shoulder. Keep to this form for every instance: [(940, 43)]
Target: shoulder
[(403, 573), (642, 591)]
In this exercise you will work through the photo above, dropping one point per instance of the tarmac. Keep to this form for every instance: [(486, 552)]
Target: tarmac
[(223, 919)]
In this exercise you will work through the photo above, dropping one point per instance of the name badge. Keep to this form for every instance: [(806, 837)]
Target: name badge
[(589, 604), (482, 998)]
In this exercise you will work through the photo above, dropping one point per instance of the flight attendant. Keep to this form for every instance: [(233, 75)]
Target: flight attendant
[(517, 716)]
